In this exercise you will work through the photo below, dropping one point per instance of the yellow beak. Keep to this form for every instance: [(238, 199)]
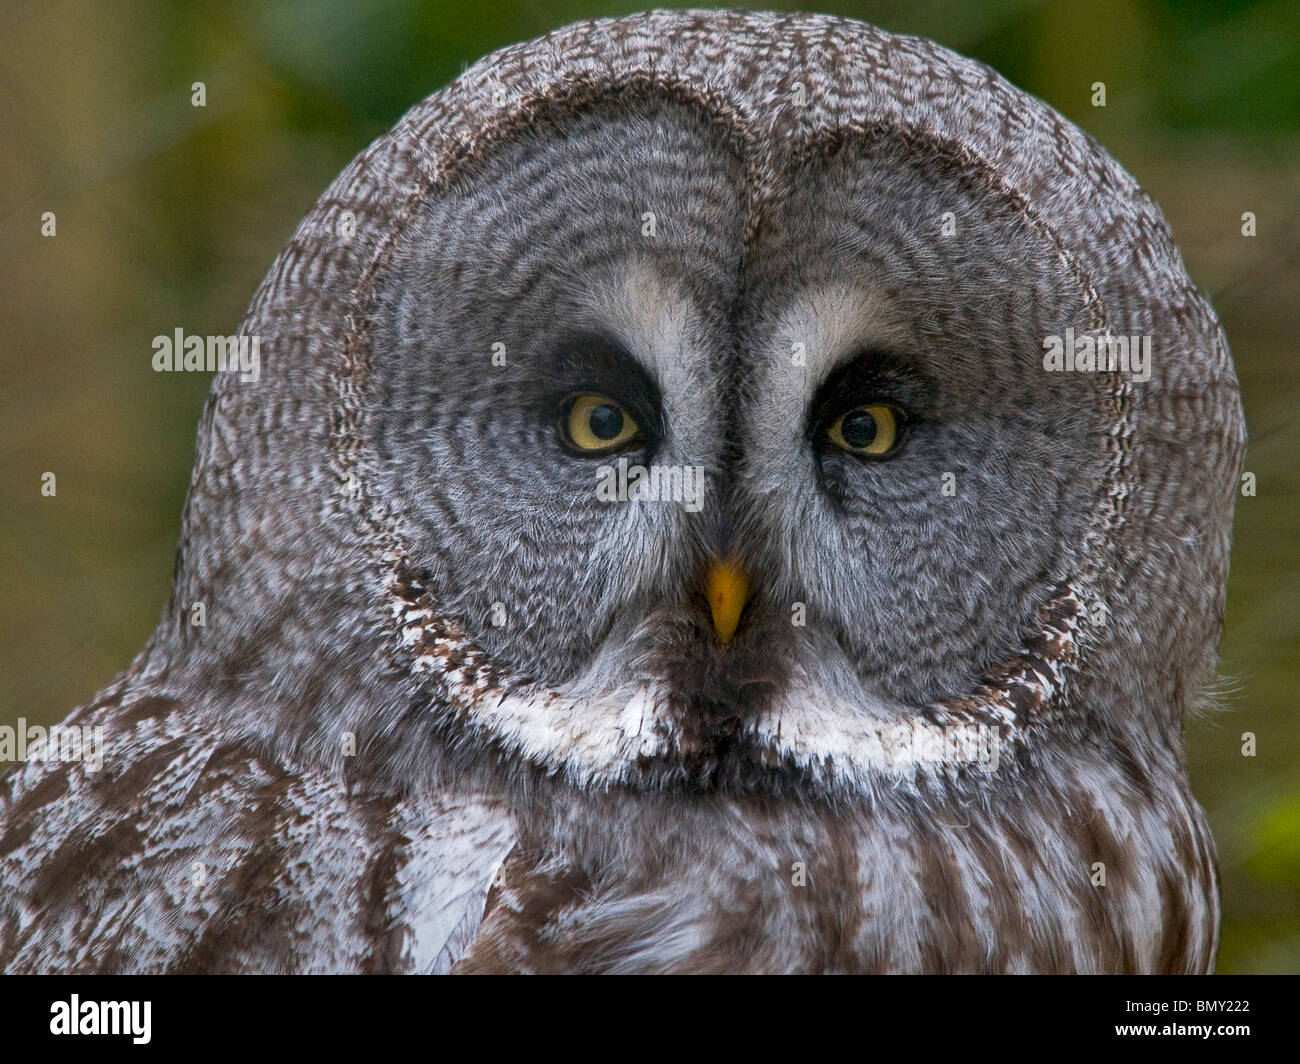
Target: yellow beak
[(727, 589)]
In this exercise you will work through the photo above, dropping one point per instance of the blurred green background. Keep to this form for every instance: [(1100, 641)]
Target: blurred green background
[(168, 215)]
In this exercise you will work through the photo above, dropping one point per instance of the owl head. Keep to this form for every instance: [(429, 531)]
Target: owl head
[(715, 400)]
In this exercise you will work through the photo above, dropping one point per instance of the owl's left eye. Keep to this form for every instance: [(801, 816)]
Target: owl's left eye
[(595, 424), (873, 430)]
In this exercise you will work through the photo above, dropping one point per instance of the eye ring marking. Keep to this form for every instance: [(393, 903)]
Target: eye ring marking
[(595, 424), (873, 430)]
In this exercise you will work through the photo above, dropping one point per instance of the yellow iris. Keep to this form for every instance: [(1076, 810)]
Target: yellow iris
[(870, 429), (596, 423)]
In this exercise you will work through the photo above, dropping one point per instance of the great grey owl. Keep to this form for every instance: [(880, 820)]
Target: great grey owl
[(725, 492)]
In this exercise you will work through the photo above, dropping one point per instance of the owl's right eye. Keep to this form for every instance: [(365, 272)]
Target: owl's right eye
[(873, 430), (595, 424)]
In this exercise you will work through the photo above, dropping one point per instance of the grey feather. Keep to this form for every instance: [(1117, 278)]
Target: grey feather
[(556, 766)]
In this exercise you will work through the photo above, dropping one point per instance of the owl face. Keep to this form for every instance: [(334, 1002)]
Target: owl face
[(836, 384)]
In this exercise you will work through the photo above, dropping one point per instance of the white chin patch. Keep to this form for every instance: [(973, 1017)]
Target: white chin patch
[(596, 736), (847, 742)]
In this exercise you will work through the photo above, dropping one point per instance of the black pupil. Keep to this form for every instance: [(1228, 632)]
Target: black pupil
[(605, 422), (858, 429)]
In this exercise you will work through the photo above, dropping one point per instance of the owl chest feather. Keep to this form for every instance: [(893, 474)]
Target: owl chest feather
[(751, 887), (186, 853)]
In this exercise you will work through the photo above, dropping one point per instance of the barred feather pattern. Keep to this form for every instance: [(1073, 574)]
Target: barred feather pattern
[(335, 775), (193, 852), (196, 854)]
